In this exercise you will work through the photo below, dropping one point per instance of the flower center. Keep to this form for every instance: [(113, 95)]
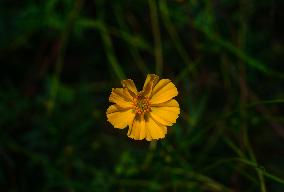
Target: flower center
[(141, 104)]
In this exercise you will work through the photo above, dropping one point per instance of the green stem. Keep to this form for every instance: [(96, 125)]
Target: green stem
[(157, 36)]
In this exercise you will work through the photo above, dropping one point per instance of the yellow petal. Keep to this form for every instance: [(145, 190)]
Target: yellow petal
[(137, 131), (121, 97), (163, 91), (150, 82), (120, 117), (155, 130), (165, 113), (129, 84), (148, 136)]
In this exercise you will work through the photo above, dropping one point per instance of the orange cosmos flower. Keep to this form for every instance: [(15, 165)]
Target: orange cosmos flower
[(148, 112)]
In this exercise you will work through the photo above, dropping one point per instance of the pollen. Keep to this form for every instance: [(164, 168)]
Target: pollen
[(141, 104)]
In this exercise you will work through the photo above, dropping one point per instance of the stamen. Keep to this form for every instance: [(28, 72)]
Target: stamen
[(141, 104)]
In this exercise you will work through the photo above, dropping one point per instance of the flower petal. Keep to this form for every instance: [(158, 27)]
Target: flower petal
[(165, 113), (137, 131), (150, 82), (155, 129), (120, 117), (121, 97), (163, 91), (148, 136), (129, 84)]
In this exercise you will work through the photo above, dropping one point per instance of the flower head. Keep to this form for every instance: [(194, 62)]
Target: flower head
[(148, 112)]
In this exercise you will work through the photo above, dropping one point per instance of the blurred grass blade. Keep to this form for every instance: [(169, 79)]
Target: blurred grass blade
[(157, 36), (110, 53), (190, 66)]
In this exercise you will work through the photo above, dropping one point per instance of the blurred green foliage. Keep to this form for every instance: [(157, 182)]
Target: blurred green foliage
[(60, 59)]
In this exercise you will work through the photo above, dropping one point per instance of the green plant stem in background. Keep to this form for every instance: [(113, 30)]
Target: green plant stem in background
[(108, 46), (131, 39), (190, 66), (228, 46), (157, 36), (110, 53), (241, 42), (55, 79), (150, 154), (126, 34), (222, 162)]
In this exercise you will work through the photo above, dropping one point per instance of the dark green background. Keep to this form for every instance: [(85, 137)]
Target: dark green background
[(60, 58)]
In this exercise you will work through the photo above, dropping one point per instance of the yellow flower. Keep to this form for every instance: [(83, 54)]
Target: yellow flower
[(148, 112)]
